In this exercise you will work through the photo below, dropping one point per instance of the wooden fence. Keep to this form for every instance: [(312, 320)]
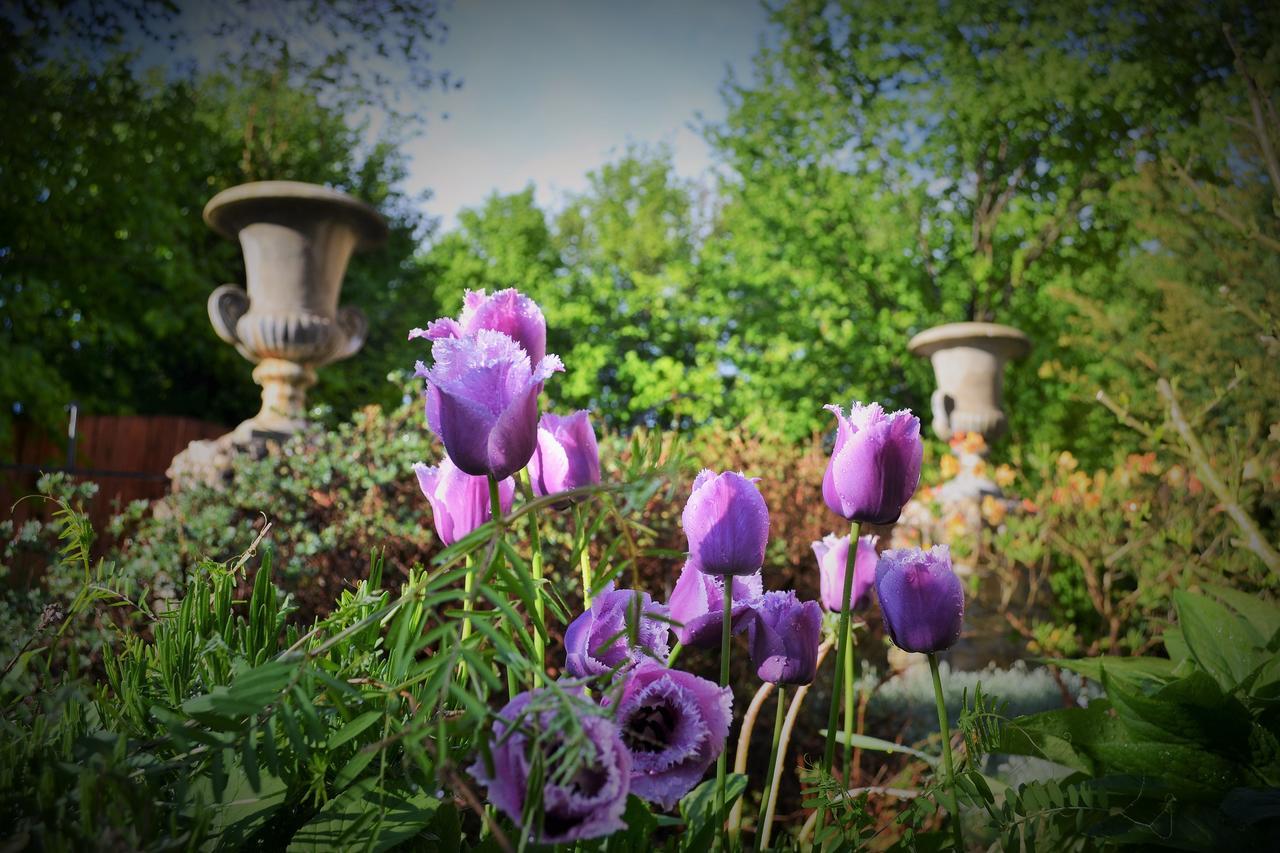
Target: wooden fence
[(126, 455)]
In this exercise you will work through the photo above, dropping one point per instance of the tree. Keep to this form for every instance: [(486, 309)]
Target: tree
[(897, 165)]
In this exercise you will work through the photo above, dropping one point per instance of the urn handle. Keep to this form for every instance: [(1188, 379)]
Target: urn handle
[(943, 404), (227, 304), (353, 327)]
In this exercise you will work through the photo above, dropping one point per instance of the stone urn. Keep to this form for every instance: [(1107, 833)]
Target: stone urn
[(968, 362), (297, 239)]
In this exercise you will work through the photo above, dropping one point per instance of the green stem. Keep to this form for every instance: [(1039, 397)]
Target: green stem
[(850, 684), (773, 763), (945, 728), (468, 584), (584, 556), (495, 512), (675, 653), (539, 605), (726, 632), (842, 654)]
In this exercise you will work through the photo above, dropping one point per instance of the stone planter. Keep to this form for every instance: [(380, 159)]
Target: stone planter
[(297, 239), (968, 361)]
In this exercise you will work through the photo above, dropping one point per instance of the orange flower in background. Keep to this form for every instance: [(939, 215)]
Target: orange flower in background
[(1067, 462), (1005, 475), (980, 469), (956, 526), (1079, 481), (1194, 486), (1143, 463), (969, 442), (948, 466), (1092, 500), (1030, 506), (993, 510)]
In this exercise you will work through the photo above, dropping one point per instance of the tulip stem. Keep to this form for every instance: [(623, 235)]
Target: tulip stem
[(675, 653), (722, 762), (495, 513), (468, 584), (535, 565), (584, 556), (842, 655), (945, 728), (850, 684), (773, 765)]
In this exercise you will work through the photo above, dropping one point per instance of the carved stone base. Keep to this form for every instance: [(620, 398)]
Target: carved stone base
[(208, 462)]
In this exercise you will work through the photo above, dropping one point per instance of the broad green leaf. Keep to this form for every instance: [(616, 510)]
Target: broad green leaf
[(367, 818), (1144, 668), (1262, 614), (1225, 645), (699, 810), (354, 728)]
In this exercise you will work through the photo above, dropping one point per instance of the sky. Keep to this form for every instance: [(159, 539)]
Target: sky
[(555, 88)]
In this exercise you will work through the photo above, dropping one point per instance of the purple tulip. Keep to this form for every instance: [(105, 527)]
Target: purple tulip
[(601, 638), (675, 725), (727, 524), (784, 638), (566, 457), (832, 553), (459, 501), (488, 401), (697, 603), (875, 467), (921, 598), (507, 311), (590, 803)]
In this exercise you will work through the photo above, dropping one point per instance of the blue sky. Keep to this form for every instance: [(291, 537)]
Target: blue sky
[(555, 88)]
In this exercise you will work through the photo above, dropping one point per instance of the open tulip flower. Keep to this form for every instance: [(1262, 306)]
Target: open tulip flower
[(727, 523), (566, 457), (784, 638), (697, 604), (675, 725), (459, 501), (507, 311), (875, 466), (921, 598), (589, 804), (833, 553), (488, 401), (600, 639)]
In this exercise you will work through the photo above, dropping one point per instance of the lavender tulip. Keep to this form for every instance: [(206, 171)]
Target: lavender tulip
[(784, 638), (459, 502), (566, 456), (921, 598), (875, 467), (488, 399), (675, 725), (697, 603), (727, 523), (833, 553), (507, 311), (589, 804), (601, 638)]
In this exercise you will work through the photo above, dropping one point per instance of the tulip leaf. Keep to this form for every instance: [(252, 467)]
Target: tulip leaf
[(879, 745)]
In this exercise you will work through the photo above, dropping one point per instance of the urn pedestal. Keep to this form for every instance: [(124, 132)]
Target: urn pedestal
[(297, 239)]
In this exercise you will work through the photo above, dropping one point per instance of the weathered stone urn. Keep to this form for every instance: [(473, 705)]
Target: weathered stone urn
[(297, 239), (968, 362)]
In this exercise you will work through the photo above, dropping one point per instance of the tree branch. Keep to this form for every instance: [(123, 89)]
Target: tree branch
[(1253, 538)]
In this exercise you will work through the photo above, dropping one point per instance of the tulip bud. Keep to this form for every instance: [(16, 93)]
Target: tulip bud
[(566, 457), (784, 638), (833, 554), (727, 523), (875, 466), (697, 605), (921, 598), (459, 501)]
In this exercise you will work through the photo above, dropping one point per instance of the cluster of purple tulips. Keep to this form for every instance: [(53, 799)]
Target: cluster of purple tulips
[(659, 729)]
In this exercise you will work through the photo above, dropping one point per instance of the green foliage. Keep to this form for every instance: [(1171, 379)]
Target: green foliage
[(1182, 752)]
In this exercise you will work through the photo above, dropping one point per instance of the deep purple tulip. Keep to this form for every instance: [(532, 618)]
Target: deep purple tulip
[(675, 725), (784, 638), (921, 598), (590, 804), (459, 501), (875, 467), (727, 524), (488, 399), (600, 639), (832, 553), (507, 311), (697, 603), (566, 457)]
